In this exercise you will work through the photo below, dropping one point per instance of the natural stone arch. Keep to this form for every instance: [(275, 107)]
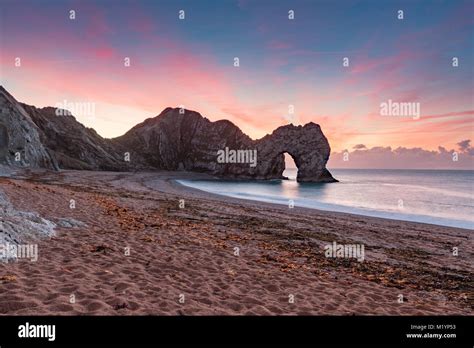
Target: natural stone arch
[(306, 144)]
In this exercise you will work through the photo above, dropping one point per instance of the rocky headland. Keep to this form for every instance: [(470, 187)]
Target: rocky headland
[(176, 140)]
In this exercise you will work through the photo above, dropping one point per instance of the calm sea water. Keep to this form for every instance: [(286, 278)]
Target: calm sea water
[(439, 197)]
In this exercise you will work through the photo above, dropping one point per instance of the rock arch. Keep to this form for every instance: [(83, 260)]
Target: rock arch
[(306, 144), (174, 137)]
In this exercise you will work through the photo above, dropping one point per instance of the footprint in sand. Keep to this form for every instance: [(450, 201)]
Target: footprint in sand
[(93, 306), (121, 287)]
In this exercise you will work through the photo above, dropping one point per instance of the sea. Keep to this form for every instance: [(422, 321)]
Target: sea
[(440, 197)]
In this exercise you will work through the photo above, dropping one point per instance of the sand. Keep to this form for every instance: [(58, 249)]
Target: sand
[(128, 248)]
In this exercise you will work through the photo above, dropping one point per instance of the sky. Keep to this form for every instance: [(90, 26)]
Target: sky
[(290, 70)]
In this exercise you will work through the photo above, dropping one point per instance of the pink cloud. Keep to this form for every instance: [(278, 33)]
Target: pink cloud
[(104, 52), (449, 115), (402, 157)]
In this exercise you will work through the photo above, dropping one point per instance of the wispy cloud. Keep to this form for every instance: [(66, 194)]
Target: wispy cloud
[(283, 62)]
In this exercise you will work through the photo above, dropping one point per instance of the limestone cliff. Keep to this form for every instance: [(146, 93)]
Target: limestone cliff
[(174, 140), (20, 137)]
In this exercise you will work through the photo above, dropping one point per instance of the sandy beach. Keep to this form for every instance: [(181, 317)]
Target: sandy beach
[(132, 248)]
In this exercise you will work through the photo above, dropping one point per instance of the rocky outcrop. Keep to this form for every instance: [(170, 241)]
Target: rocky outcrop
[(17, 226), (306, 144), (174, 140), (183, 141), (188, 141), (20, 143)]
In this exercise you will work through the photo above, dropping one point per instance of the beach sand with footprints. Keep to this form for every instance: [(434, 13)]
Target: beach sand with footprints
[(128, 248)]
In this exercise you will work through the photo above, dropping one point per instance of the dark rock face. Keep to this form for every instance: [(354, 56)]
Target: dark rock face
[(174, 140), (183, 141), (73, 145), (4, 141), (20, 143)]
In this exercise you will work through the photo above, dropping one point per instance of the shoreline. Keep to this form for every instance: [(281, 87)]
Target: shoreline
[(190, 251), (355, 215)]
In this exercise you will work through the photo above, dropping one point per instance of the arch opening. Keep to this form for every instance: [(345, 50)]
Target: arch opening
[(291, 169)]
